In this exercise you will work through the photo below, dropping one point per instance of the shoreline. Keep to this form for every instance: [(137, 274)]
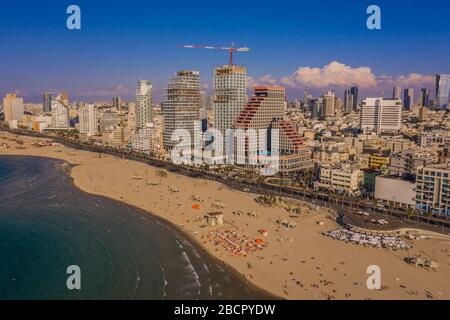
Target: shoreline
[(192, 241), (308, 263)]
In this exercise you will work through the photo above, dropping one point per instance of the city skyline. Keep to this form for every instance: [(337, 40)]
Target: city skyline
[(104, 59), (225, 151)]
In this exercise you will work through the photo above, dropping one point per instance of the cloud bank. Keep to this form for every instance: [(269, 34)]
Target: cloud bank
[(411, 80), (336, 74), (266, 80)]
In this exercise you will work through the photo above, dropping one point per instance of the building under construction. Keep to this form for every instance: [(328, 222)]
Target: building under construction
[(230, 95)]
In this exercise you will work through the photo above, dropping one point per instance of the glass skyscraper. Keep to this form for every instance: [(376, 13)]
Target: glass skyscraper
[(408, 98), (442, 90), (47, 102), (354, 92), (424, 97)]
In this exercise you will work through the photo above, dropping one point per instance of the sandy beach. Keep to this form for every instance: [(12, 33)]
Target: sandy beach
[(295, 263)]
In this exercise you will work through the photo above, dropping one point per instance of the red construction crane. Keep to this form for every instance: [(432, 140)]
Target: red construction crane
[(231, 49)]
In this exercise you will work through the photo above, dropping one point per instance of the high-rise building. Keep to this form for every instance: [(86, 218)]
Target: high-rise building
[(181, 110), (264, 106), (144, 112), (131, 118), (348, 100), (433, 189), (337, 105), (354, 92), (89, 120), (117, 103), (64, 98), (266, 111), (317, 108), (408, 98), (306, 98), (328, 104), (108, 120), (381, 115), (47, 102), (60, 112), (442, 90), (424, 99), (397, 92), (12, 107), (229, 95), (204, 104)]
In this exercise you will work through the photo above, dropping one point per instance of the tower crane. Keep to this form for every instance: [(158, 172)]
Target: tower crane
[(231, 49)]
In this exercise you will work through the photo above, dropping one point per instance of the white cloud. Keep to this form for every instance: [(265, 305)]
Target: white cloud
[(335, 74), (267, 80), (250, 82), (385, 80), (414, 80)]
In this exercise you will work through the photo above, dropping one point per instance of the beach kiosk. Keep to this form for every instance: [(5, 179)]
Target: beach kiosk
[(214, 219)]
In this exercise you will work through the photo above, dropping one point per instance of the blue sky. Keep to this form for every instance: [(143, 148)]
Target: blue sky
[(122, 41)]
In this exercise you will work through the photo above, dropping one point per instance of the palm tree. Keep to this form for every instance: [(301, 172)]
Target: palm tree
[(428, 214), (390, 207), (409, 213)]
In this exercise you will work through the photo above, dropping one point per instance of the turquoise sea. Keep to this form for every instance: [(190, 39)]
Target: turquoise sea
[(46, 225)]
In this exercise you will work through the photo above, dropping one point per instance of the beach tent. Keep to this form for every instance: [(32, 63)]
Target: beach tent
[(431, 265), (214, 218)]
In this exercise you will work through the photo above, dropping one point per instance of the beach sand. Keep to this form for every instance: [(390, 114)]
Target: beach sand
[(298, 263)]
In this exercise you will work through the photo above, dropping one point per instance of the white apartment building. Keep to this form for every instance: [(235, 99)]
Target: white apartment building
[(266, 111), (143, 109), (181, 110), (341, 179), (89, 120), (265, 106), (381, 115), (108, 120), (229, 95), (12, 108), (60, 113), (395, 191), (329, 107), (433, 189), (40, 123), (143, 140)]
